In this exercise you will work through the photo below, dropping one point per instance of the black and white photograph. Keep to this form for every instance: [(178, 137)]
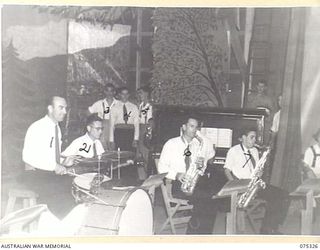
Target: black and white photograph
[(158, 121)]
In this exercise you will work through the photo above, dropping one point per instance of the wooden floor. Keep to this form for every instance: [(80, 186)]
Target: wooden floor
[(290, 227)]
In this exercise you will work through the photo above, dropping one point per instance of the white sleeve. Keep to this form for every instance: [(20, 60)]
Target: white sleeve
[(94, 108), (229, 160), (136, 122), (165, 164), (308, 157), (113, 114)]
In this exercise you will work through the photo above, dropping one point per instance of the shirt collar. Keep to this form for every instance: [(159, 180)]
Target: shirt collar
[(113, 102), (89, 138), (244, 148), (50, 121)]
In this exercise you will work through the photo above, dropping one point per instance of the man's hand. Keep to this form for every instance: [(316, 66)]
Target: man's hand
[(71, 160), (60, 170), (200, 161), (135, 143)]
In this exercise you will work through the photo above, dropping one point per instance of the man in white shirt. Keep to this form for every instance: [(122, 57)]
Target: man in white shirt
[(124, 123), (145, 116), (44, 164), (103, 108), (240, 163), (180, 153), (312, 158), (276, 122), (89, 144)]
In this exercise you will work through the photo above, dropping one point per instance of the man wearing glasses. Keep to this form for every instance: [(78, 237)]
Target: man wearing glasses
[(89, 144)]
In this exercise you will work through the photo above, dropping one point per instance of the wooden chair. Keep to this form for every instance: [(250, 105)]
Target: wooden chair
[(28, 198), (176, 209)]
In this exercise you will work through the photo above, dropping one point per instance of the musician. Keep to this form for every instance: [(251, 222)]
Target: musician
[(44, 166), (312, 158), (240, 162), (89, 144), (276, 122), (103, 108), (176, 157), (145, 120), (124, 123)]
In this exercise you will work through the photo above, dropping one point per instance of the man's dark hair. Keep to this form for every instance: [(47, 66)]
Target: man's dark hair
[(49, 99), (246, 130), (109, 85), (93, 118), (192, 116)]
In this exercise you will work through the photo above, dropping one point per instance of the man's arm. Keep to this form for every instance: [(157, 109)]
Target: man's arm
[(136, 122), (113, 115), (165, 164), (229, 165)]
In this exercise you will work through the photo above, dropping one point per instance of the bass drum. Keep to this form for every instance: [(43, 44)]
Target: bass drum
[(122, 212)]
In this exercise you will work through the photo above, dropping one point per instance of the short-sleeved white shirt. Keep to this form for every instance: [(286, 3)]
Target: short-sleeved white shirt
[(238, 161), (309, 158), (103, 108)]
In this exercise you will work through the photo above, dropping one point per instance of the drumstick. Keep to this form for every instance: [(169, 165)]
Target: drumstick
[(77, 175), (95, 197)]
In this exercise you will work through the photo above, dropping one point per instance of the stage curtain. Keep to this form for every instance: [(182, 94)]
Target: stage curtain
[(310, 91), (286, 172)]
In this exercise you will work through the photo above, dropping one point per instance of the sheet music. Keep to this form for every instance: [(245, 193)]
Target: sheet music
[(220, 137)]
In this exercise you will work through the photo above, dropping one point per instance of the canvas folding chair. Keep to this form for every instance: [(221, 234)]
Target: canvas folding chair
[(176, 209)]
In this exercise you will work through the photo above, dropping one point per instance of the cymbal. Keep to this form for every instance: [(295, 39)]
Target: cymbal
[(117, 154)]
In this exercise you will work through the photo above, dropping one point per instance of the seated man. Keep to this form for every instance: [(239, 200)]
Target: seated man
[(312, 158), (180, 153), (89, 144), (240, 163), (44, 164)]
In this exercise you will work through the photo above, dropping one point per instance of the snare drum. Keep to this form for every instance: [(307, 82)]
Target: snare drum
[(83, 182), (123, 212)]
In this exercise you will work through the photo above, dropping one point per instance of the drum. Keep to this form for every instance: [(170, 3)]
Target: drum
[(83, 182), (122, 212), (90, 165)]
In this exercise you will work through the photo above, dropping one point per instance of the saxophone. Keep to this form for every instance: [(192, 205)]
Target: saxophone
[(195, 170), (256, 182)]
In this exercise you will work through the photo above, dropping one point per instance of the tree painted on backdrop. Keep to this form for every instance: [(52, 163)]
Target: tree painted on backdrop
[(18, 111), (189, 51)]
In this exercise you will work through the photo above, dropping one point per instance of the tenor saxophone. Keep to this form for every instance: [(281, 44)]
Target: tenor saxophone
[(195, 170), (256, 183)]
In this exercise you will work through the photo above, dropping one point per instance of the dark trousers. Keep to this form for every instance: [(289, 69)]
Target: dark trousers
[(53, 190), (204, 207), (277, 204)]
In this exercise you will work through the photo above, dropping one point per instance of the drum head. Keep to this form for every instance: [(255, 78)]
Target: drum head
[(85, 180), (137, 217)]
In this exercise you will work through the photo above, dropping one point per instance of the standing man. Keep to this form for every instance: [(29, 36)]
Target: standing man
[(312, 158), (103, 109), (44, 164), (276, 123), (177, 155), (124, 123), (260, 100), (240, 163), (145, 117), (89, 144)]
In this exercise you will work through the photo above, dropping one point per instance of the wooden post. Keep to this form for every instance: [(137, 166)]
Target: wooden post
[(307, 215), (138, 49), (231, 227)]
